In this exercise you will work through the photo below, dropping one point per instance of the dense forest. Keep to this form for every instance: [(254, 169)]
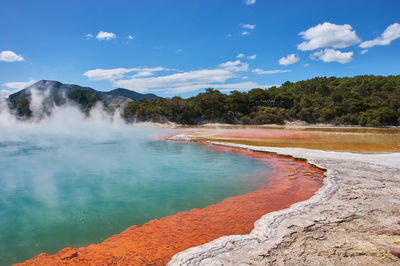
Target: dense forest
[(361, 100)]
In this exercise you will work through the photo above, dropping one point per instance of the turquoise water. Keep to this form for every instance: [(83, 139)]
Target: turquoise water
[(68, 190)]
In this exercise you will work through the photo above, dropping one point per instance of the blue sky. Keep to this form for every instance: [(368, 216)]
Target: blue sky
[(181, 47)]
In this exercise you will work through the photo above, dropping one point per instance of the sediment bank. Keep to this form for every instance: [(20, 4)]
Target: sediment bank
[(352, 219)]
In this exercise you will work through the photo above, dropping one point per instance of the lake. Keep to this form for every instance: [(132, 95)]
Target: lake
[(71, 186)]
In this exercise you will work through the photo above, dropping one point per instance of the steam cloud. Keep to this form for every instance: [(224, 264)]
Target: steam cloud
[(66, 120), (63, 158)]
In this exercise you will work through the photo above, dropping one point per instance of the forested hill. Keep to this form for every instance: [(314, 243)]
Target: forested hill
[(361, 100), (54, 93)]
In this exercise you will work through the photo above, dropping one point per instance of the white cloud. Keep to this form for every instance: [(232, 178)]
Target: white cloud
[(131, 37), (248, 26), (328, 35), (19, 85), (250, 57), (185, 79), (289, 59), (235, 66), (364, 51), (148, 71), (107, 74), (118, 73), (249, 2), (390, 34), (331, 55), (102, 35), (268, 72), (10, 56), (88, 36), (306, 65), (144, 80)]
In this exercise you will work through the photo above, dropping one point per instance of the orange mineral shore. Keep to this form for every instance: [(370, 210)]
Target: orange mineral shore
[(157, 241)]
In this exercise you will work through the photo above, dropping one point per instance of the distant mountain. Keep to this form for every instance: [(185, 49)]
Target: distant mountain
[(120, 94), (53, 88), (54, 91)]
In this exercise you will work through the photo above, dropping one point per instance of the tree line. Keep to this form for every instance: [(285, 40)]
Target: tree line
[(366, 100)]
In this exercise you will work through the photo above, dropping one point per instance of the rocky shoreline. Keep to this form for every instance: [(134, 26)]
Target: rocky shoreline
[(353, 219)]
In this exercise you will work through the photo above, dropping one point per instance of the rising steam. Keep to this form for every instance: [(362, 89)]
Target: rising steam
[(65, 120)]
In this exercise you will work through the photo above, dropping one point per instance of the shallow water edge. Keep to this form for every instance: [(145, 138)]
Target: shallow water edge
[(336, 226)]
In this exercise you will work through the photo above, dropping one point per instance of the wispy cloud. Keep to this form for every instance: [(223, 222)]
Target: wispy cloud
[(179, 82), (10, 56), (235, 66), (14, 86), (88, 36), (131, 37), (248, 26), (107, 74), (105, 36), (19, 85), (148, 71), (391, 33), (249, 2), (269, 72), (250, 57), (118, 73), (289, 59)]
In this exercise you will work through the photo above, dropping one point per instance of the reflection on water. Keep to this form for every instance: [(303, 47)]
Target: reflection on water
[(58, 191)]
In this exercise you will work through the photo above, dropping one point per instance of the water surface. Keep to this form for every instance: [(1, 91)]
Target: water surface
[(68, 190)]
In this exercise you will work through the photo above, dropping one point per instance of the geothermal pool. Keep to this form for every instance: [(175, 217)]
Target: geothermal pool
[(62, 188)]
